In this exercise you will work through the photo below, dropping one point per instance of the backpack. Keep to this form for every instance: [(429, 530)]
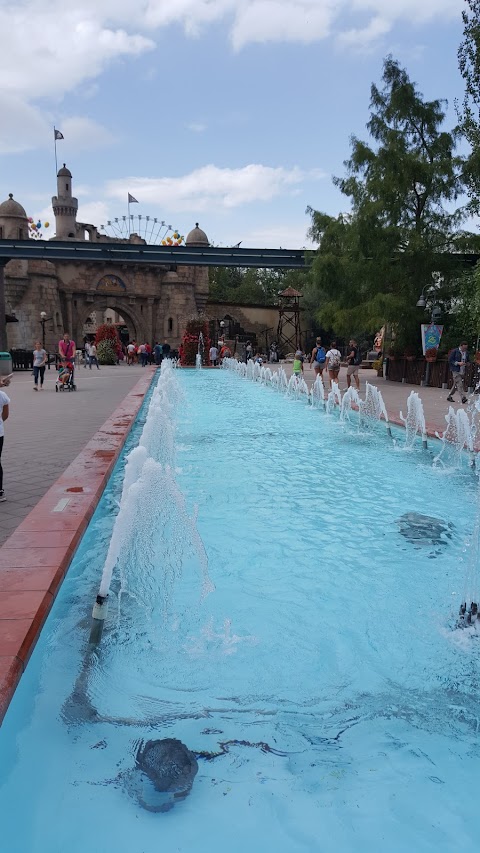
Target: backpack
[(334, 362), (358, 358), (320, 356)]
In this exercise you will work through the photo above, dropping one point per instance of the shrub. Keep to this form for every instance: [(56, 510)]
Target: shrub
[(189, 345), (107, 351)]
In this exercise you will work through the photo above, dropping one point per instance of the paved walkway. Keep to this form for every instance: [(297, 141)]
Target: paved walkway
[(46, 430)]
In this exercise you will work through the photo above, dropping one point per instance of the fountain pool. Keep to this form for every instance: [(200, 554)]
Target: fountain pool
[(317, 679)]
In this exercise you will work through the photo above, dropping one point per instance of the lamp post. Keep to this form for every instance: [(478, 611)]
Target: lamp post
[(435, 314), (44, 319)]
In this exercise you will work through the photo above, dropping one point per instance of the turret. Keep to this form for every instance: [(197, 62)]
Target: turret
[(65, 206), (13, 220)]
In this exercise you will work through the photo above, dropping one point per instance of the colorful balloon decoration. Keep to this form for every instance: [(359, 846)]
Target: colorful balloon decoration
[(35, 228)]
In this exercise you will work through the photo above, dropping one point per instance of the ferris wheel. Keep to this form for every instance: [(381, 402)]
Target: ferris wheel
[(154, 231)]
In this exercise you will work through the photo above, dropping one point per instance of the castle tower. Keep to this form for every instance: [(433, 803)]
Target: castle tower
[(13, 220), (65, 206)]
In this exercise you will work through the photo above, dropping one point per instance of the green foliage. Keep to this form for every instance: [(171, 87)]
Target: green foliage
[(373, 263), (469, 111), (250, 286), (106, 351)]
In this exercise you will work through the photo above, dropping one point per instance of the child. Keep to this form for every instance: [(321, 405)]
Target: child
[(298, 363), (65, 372)]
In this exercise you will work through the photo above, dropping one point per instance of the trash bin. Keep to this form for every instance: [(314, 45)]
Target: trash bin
[(5, 363)]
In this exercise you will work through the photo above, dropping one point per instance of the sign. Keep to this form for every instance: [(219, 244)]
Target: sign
[(431, 336)]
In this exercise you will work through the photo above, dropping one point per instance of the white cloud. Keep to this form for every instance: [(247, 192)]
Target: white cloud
[(49, 50), (83, 133), (22, 128), (211, 188), (93, 213), (363, 38), (196, 127), (285, 236)]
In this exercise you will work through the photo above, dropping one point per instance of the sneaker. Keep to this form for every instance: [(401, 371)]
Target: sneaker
[(35, 388), (2, 496), (450, 399), (464, 399)]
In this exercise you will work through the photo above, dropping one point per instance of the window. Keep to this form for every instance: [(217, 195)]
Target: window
[(57, 320), (66, 187), (1, 232), (20, 233), (170, 324)]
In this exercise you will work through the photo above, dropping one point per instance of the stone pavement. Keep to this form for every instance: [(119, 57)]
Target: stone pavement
[(46, 430)]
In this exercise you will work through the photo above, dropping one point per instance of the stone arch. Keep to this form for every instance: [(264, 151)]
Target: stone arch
[(133, 319)]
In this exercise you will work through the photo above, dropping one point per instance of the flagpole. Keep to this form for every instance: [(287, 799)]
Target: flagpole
[(55, 145), (128, 202)]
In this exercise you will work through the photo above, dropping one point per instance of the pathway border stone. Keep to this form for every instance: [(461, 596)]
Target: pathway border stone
[(35, 558)]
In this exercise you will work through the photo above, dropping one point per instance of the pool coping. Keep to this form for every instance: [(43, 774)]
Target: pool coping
[(35, 558)]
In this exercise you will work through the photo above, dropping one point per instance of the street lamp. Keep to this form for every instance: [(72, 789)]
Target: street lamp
[(436, 311), (44, 319)]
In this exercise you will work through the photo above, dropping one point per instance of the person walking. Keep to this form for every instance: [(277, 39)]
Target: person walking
[(318, 358), (353, 363), (131, 349), (298, 363), (39, 362), (92, 356), (458, 360), (158, 353), (86, 353), (166, 349), (213, 355), (5, 411), (248, 351), (67, 348), (332, 362)]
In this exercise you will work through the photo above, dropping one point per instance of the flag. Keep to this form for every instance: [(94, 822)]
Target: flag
[(57, 134), (132, 200)]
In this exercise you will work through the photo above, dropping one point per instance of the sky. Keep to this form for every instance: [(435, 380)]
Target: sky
[(231, 113)]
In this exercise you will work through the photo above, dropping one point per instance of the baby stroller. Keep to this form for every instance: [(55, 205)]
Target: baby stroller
[(65, 378)]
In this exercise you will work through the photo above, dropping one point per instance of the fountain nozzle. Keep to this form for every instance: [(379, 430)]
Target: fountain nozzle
[(99, 614)]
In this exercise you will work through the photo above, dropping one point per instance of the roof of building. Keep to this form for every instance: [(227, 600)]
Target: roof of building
[(197, 237), (290, 292), (10, 207), (64, 172)]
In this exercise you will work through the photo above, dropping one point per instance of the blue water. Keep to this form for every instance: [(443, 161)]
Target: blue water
[(323, 661)]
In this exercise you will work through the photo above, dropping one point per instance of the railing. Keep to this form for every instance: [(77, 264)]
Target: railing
[(435, 374), (22, 359)]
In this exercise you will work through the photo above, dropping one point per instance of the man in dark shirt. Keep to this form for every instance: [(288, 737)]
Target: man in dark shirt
[(166, 350), (457, 360)]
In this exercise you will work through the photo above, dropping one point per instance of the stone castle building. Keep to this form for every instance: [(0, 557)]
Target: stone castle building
[(153, 302)]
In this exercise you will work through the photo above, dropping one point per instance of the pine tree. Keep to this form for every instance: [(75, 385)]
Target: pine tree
[(469, 111), (373, 263)]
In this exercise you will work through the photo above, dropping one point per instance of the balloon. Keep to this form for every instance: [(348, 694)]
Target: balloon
[(47, 224), (176, 235), (30, 219), (39, 224), (164, 242)]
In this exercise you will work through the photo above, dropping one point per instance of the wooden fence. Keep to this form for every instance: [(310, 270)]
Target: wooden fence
[(436, 374)]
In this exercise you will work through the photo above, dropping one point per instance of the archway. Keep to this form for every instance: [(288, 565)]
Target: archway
[(129, 326)]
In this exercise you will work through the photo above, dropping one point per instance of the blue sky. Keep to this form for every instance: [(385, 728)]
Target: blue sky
[(233, 113)]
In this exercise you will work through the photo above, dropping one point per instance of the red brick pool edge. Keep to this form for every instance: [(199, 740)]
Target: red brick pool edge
[(35, 558)]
